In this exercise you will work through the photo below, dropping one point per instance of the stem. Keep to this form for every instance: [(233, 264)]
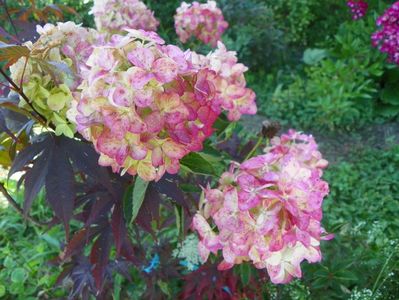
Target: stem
[(376, 287), (258, 143), (19, 90), (10, 19), (18, 209), (7, 86), (23, 72)]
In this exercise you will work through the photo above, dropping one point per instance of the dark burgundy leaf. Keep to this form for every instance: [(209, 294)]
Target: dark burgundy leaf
[(118, 227), (64, 274), (127, 252), (60, 186), (100, 207), (35, 178), (27, 155), (169, 186), (149, 209), (78, 241), (86, 160), (26, 31), (3, 127), (5, 36), (82, 277), (99, 256), (120, 266)]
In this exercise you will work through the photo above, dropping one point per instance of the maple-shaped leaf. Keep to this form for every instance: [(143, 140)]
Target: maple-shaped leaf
[(10, 53), (99, 256), (60, 186), (149, 210)]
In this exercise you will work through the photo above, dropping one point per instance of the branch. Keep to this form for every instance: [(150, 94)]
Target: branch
[(27, 100), (18, 209), (10, 19)]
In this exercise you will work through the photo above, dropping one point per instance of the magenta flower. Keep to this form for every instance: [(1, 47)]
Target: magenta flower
[(387, 38), (268, 209), (113, 16), (203, 21), (358, 8)]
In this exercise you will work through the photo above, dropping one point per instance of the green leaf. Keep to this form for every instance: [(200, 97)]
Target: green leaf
[(245, 270), (313, 56), (128, 203), (9, 263), (390, 94), (388, 111), (164, 287), (140, 187), (2, 290), (199, 163), (19, 275), (11, 53)]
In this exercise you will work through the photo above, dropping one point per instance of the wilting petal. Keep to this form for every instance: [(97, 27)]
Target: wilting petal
[(165, 70)]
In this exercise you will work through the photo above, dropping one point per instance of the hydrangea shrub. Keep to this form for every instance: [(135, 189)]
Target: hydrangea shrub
[(268, 209), (112, 16), (122, 98), (145, 105), (53, 72), (203, 21)]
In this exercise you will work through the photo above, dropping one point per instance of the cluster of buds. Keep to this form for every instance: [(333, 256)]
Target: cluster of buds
[(387, 39), (54, 69), (232, 94), (268, 209), (358, 8), (203, 21), (144, 106), (112, 16)]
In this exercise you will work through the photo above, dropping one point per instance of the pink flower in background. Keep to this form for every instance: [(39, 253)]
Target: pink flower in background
[(113, 16), (204, 21), (145, 106), (387, 38), (358, 8), (268, 209)]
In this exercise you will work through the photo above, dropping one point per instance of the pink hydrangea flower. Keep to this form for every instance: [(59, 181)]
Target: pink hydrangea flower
[(268, 209), (358, 8), (204, 21), (113, 16), (231, 91), (387, 38), (144, 106)]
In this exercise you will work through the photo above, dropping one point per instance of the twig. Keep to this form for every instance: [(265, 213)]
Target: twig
[(27, 100), (10, 19), (18, 209), (23, 72), (7, 86), (258, 143)]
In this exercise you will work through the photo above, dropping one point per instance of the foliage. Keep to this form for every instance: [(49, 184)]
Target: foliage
[(312, 67), (254, 33), (25, 251), (361, 210), (339, 87)]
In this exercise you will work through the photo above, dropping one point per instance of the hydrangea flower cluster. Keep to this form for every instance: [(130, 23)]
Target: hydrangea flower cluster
[(144, 106), (268, 209), (232, 94), (112, 16), (387, 39), (54, 70), (358, 8), (204, 21)]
